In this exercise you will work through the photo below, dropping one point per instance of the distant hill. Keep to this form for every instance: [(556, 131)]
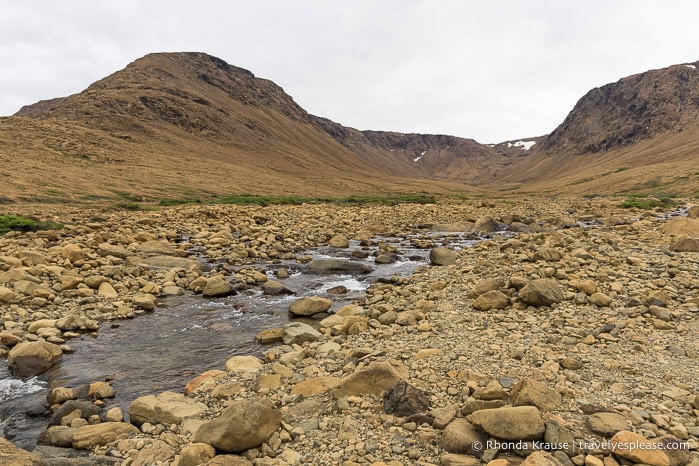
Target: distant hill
[(189, 125)]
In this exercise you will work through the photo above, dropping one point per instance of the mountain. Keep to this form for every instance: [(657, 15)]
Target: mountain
[(192, 125), (630, 110)]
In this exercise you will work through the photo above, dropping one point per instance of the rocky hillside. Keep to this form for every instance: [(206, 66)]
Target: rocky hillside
[(205, 96), (635, 108)]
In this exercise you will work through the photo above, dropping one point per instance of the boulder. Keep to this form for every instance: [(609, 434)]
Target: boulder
[(195, 454), (607, 424), (338, 241), (373, 379), (337, 265), (492, 299), (315, 386), (86, 409), (243, 425), (33, 358), (171, 262), (686, 245), (310, 305), (101, 434), (15, 456), (548, 255), (460, 436), (274, 288), (107, 291), (106, 249), (541, 292), (217, 286), (404, 400), (488, 284), (516, 423), (6, 294), (156, 452), (165, 408), (443, 256), (485, 224), (297, 333), (638, 449), (73, 252), (682, 226), (530, 392), (541, 458), (247, 364)]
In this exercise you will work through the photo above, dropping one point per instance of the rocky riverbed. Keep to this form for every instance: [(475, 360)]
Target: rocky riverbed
[(555, 343)]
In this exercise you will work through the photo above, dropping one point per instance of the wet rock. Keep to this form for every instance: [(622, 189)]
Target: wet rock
[(274, 288), (337, 265), (443, 256), (243, 425), (373, 379), (271, 335), (404, 400), (338, 242), (33, 358), (297, 333), (85, 408), (217, 286), (310, 305), (145, 301), (100, 434), (517, 423), (541, 292)]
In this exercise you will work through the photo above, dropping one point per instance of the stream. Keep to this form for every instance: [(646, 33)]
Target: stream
[(189, 334)]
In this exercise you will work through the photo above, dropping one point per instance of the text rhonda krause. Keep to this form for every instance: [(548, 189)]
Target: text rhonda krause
[(585, 446)]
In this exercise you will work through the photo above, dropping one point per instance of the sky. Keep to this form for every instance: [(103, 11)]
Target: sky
[(492, 71)]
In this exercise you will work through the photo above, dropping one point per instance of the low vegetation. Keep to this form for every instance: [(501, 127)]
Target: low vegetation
[(644, 202), (254, 199), (18, 223)]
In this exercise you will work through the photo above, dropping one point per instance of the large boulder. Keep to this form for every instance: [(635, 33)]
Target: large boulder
[(541, 292), (14, 456), (297, 333), (243, 425), (530, 392), (217, 286), (443, 256), (517, 423), (460, 436), (33, 358), (404, 400), (607, 424), (661, 451), (493, 299), (101, 434), (165, 408), (373, 379), (337, 265), (310, 305), (682, 226), (485, 224), (686, 245)]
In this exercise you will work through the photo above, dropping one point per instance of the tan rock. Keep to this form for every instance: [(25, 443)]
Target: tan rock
[(10, 455), (244, 364), (635, 447), (195, 454), (310, 305), (373, 379), (33, 358), (517, 423), (315, 386), (101, 434)]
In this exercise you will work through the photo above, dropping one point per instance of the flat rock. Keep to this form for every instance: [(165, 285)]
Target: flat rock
[(337, 265), (373, 379), (100, 434), (516, 423)]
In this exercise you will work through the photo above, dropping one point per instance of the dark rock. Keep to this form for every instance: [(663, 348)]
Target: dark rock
[(402, 399)]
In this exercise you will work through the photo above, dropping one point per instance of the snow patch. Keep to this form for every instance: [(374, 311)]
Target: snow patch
[(691, 66), (525, 145), (420, 156)]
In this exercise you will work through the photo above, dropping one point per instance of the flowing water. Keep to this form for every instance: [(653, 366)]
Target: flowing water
[(189, 334)]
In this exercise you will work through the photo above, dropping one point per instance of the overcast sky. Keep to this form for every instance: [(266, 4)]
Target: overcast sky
[(489, 70)]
